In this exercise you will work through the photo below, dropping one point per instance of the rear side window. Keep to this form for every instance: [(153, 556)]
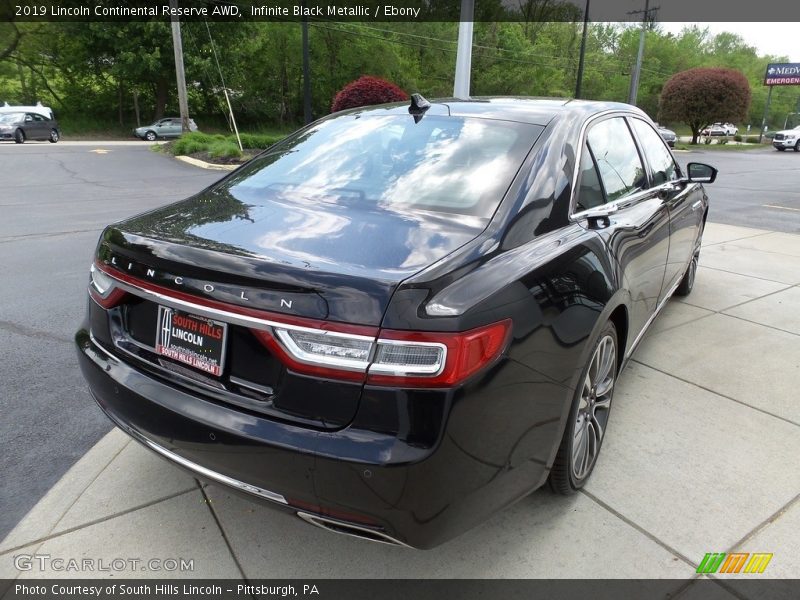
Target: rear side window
[(659, 158), (443, 164), (590, 191), (617, 158)]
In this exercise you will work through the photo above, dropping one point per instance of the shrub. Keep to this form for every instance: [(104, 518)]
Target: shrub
[(224, 149), (707, 140), (737, 138), (723, 140), (190, 143), (365, 91), (258, 141)]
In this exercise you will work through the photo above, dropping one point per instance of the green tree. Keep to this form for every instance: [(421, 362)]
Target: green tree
[(701, 96)]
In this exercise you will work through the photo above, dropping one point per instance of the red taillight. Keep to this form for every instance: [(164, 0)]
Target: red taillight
[(102, 288), (466, 353), (113, 297), (338, 350)]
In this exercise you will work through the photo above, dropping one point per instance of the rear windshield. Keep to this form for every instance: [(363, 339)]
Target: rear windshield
[(444, 164)]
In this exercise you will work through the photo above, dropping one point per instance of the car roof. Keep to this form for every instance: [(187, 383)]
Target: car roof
[(536, 111)]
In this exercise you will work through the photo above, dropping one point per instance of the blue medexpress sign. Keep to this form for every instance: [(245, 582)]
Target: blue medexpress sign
[(782, 74)]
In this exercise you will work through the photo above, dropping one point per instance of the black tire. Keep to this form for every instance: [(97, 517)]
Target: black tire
[(19, 136), (779, 149), (564, 478), (797, 146), (54, 136), (150, 136), (687, 283)]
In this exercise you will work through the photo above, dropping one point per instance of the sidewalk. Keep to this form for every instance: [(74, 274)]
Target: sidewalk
[(701, 456)]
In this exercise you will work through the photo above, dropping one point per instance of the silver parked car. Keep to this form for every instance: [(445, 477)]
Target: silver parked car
[(21, 126), (163, 128)]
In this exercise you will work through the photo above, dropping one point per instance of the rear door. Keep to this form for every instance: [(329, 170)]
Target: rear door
[(173, 127), (42, 126), (33, 127), (614, 180), (162, 128), (683, 200)]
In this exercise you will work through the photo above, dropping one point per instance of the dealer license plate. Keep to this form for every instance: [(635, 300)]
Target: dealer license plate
[(191, 339)]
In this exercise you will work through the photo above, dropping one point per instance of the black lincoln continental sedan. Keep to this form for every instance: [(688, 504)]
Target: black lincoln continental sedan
[(399, 319)]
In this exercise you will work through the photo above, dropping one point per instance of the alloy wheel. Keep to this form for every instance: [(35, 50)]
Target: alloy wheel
[(593, 410)]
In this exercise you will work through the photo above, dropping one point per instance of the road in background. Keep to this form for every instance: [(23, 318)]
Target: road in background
[(755, 188), (56, 200)]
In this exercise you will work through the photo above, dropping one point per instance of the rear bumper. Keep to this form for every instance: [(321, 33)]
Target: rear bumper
[(353, 478)]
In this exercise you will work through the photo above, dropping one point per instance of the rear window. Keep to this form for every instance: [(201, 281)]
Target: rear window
[(445, 164)]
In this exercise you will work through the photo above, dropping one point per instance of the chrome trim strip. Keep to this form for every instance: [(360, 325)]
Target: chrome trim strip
[(319, 521), (228, 316), (200, 470), (296, 352), (612, 207), (251, 386), (185, 462)]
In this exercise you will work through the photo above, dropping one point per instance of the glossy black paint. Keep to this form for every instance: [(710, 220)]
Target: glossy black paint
[(422, 464)]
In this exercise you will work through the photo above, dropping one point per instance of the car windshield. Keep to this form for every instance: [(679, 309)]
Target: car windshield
[(445, 164), (11, 117)]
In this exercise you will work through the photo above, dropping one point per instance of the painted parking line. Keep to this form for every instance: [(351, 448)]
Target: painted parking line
[(780, 207)]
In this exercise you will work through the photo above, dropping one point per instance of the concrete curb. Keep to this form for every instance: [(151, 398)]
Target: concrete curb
[(204, 165)]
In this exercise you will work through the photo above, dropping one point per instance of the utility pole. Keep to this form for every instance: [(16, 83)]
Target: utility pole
[(634, 91), (583, 51), (766, 114), (464, 50), (307, 116), (177, 45)]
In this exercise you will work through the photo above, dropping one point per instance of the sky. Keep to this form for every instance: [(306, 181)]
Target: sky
[(768, 38)]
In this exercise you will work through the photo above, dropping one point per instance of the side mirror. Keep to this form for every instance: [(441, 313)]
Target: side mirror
[(701, 173)]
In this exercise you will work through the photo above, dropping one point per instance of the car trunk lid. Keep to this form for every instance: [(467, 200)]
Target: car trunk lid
[(323, 263)]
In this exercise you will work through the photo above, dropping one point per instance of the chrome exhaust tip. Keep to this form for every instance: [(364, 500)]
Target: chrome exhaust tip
[(350, 529)]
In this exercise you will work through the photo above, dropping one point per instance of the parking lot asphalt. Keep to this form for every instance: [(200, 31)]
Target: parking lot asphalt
[(699, 458), (756, 188), (54, 203)]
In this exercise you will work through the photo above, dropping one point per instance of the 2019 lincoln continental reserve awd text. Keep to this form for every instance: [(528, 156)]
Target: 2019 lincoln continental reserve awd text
[(399, 319)]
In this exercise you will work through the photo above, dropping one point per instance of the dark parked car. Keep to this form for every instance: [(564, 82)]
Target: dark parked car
[(668, 135), (21, 126), (393, 325), (163, 128)]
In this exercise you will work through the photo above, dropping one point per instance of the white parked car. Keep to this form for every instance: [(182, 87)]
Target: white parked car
[(721, 129), (45, 111), (787, 138)]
